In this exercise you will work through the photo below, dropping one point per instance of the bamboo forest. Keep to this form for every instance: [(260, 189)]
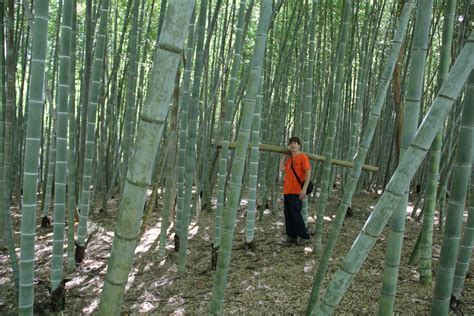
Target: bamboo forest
[(145, 151)]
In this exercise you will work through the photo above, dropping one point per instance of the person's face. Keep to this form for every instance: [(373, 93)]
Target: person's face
[(294, 146)]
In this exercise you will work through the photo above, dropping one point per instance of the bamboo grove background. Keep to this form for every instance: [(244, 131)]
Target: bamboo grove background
[(107, 99)]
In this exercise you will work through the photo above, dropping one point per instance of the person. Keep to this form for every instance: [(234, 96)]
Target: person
[(294, 193)]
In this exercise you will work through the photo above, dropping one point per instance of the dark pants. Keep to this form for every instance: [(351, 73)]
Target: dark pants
[(293, 219)]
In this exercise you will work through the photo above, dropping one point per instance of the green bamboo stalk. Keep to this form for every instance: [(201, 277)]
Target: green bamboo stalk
[(308, 99), (226, 127), (100, 185), (235, 185), (4, 167), (18, 117), (85, 95), (410, 124), (21, 104), (50, 150), (10, 103), (208, 122), (3, 210), (72, 150), (361, 87), (152, 120), (114, 99), (331, 131), (191, 138), (253, 170), (61, 144), (170, 182), (97, 70), (183, 125), (426, 241), (30, 177), (467, 241), (50, 163), (130, 107), (361, 156), (455, 212), (399, 183)]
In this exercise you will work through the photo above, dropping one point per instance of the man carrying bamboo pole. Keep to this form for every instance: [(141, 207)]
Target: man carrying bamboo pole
[(297, 170)]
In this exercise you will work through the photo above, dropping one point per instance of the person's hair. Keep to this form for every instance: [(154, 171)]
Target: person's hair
[(294, 139)]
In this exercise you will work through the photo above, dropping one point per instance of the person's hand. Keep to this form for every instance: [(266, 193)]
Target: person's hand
[(302, 194)]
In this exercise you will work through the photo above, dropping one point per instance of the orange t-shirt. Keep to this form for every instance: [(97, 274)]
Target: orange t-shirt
[(290, 183)]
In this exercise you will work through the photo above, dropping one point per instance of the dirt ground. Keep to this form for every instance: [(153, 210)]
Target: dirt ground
[(273, 279)]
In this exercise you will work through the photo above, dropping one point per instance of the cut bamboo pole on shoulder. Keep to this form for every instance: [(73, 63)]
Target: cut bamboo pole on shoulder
[(284, 150)]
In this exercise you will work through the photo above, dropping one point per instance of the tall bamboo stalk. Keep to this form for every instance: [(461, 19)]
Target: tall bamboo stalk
[(243, 139), (253, 171), (426, 241), (3, 210), (97, 70), (30, 177), (191, 138), (410, 124), (331, 131), (130, 106), (226, 125), (61, 145), (467, 241), (5, 179), (72, 148), (455, 213), (152, 120), (183, 125)]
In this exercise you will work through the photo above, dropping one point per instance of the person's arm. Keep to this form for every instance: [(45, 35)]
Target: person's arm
[(282, 162), (306, 183)]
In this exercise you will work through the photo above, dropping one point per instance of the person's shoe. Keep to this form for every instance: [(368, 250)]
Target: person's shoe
[(303, 242)]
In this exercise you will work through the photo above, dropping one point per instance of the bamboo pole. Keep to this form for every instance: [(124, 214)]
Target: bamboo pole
[(284, 150)]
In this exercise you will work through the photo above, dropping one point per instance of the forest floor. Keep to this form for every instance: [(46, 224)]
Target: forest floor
[(273, 279)]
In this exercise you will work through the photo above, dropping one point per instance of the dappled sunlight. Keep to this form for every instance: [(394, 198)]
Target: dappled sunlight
[(148, 238), (107, 238), (162, 262), (206, 235), (179, 312), (46, 236), (170, 246), (131, 278), (148, 266), (146, 306), (279, 223), (162, 281), (92, 306), (76, 281), (415, 274), (43, 250), (269, 277), (176, 302), (193, 230), (328, 218)]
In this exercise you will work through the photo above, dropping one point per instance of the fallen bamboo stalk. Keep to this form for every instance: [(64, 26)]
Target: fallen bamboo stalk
[(284, 150)]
